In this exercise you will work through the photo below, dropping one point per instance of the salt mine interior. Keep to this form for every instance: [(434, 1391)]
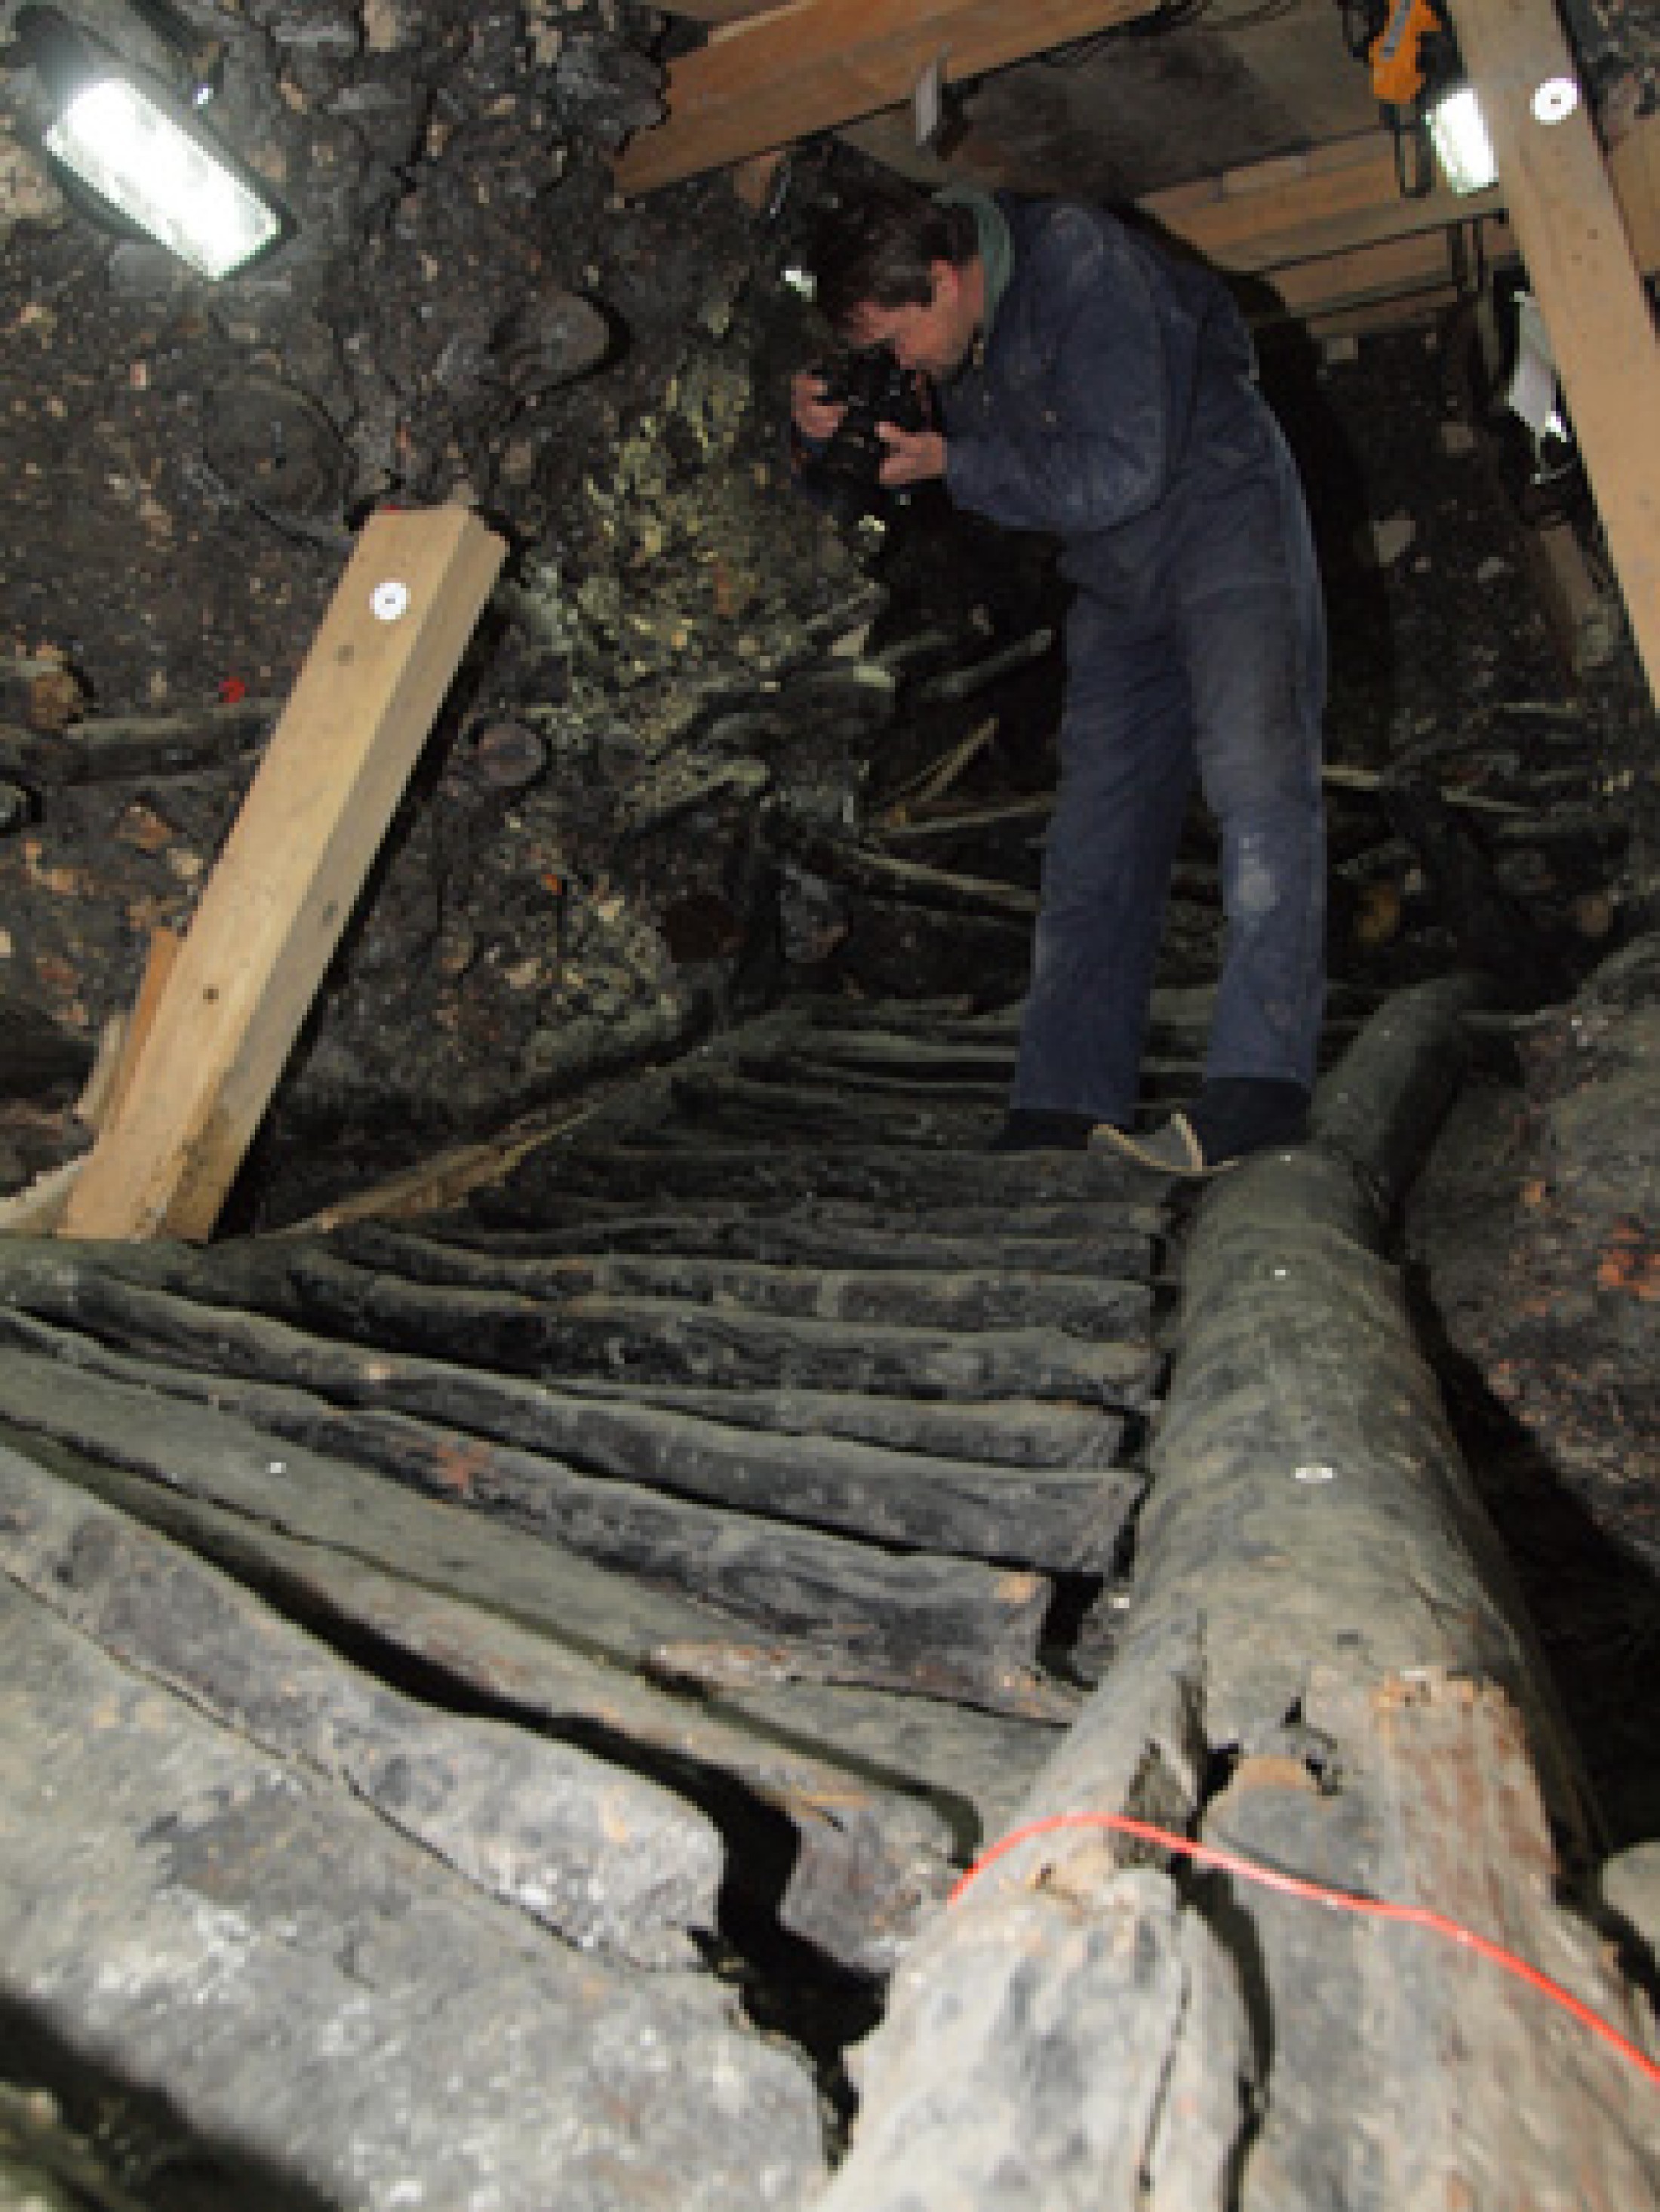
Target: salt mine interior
[(611, 1604)]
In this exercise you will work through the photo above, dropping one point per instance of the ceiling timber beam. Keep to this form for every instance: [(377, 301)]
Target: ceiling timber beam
[(1302, 207), (1584, 273), (802, 68)]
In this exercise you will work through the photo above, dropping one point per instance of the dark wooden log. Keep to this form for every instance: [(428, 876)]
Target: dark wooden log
[(110, 748), (609, 1860), (870, 1226), (328, 2009), (814, 1237), (954, 684), (844, 862), (1322, 1663), (1056, 1522), (669, 1339), (877, 1176), (877, 1787), (965, 1298), (193, 1323), (922, 1622), (732, 1102), (868, 1856)]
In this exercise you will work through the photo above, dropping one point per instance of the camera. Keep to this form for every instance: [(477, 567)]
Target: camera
[(872, 388)]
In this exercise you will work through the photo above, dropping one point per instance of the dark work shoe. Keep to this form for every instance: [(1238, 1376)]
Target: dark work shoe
[(1231, 1117), (1038, 1129)]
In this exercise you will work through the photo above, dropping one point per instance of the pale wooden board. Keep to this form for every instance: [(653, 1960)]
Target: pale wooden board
[(803, 68), (290, 873)]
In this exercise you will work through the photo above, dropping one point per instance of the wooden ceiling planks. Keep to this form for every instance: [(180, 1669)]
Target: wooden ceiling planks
[(768, 80)]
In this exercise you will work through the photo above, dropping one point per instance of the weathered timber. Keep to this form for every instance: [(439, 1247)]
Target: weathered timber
[(111, 749), (172, 1301), (942, 1626), (701, 1169), (965, 1298), (670, 1339), (877, 1786), (736, 1102), (1056, 1520), (611, 1861), (869, 1853), (844, 862), (868, 1225), (1323, 1662), (813, 1238), (294, 1982), (954, 684), (1006, 1432)]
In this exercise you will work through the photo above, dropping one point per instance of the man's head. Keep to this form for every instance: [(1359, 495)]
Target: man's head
[(893, 268)]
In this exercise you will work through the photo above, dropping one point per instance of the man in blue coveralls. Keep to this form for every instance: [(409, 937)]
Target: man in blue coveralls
[(1092, 388)]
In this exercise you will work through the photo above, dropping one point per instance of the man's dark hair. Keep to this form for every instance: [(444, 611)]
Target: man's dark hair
[(878, 244)]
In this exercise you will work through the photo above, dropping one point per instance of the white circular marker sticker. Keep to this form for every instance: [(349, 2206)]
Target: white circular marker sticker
[(390, 599), (1555, 100)]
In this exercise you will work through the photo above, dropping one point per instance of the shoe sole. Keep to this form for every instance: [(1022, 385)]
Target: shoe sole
[(1194, 1168)]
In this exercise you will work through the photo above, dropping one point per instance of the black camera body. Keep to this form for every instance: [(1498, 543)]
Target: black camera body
[(871, 387)]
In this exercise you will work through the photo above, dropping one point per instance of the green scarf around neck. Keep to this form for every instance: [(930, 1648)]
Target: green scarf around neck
[(996, 247)]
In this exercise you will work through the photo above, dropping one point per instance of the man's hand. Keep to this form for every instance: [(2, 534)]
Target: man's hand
[(913, 456), (817, 418)]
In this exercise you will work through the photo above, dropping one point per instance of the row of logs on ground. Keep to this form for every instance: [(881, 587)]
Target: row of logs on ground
[(511, 1690)]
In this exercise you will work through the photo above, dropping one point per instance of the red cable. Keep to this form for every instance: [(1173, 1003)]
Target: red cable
[(1345, 1900)]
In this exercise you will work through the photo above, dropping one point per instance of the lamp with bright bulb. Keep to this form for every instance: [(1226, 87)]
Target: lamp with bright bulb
[(1458, 133), (144, 155)]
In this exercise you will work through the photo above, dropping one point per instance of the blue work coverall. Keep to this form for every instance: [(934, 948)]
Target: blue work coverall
[(1111, 402)]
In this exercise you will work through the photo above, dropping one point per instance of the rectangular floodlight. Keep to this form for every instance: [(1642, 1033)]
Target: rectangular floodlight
[(1458, 130), (126, 145)]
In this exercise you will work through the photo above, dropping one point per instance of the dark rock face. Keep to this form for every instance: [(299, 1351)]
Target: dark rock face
[(462, 311)]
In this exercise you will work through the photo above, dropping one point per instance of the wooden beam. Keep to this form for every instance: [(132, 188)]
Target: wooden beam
[(804, 69), (290, 873), (1337, 196), (1583, 273)]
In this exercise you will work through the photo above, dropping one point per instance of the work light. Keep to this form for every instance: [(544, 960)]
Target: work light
[(143, 153), (1458, 133)]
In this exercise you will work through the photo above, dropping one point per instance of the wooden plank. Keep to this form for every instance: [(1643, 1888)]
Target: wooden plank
[(1338, 195), (158, 967), (291, 870), (798, 71), (1584, 275)]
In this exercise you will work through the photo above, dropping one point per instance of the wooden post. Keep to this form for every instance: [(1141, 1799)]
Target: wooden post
[(1584, 275), (291, 870)]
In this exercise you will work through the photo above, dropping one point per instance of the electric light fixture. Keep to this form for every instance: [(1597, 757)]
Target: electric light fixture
[(153, 164), (1459, 135), (140, 153)]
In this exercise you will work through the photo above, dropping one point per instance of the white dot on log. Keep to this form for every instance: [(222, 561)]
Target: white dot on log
[(390, 599), (1555, 100)]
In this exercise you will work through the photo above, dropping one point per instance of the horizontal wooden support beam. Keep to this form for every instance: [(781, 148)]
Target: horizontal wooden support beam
[(804, 69), (1302, 206)]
